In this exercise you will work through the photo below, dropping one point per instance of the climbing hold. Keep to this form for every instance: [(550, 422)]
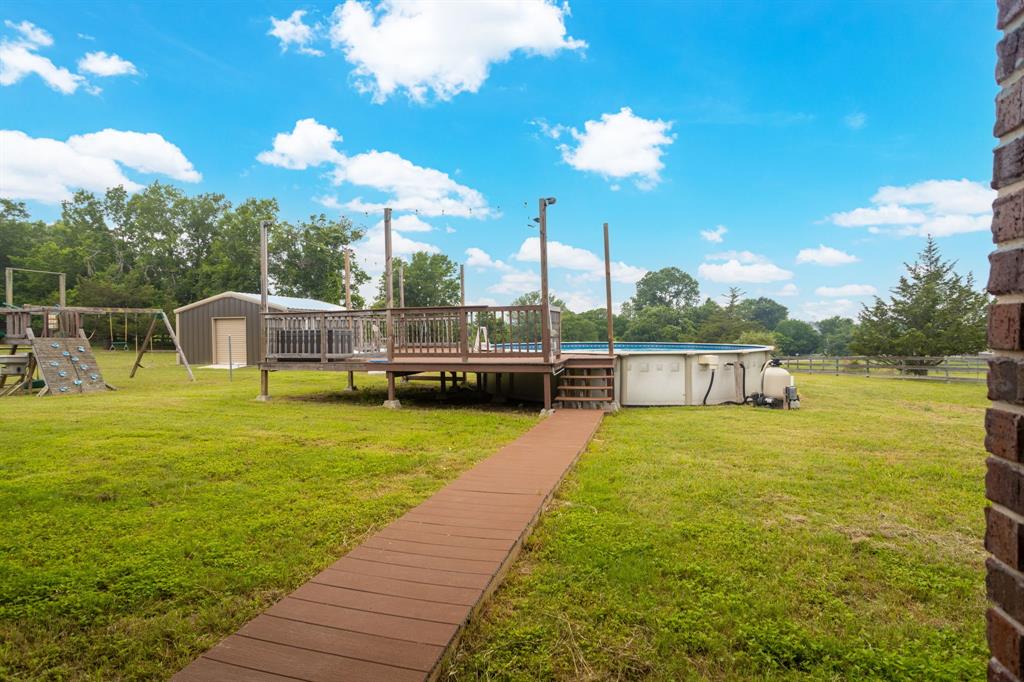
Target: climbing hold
[(74, 358), (54, 345), (54, 363), (65, 354), (77, 382), (81, 349), (83, 367), (63, 389), (94, 376), (62, 374)]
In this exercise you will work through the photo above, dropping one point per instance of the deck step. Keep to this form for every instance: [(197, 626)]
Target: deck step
[(576, 399), (593, 387)]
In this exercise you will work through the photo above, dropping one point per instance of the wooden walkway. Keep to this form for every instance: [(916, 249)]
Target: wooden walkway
[(394, 606)]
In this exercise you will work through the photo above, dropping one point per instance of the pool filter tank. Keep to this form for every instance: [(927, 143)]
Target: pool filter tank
[(778, 389)]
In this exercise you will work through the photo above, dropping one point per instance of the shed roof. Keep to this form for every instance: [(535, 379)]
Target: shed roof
[(275, 302)]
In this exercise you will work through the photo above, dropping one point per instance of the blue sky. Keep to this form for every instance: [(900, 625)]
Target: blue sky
[(857, 127)]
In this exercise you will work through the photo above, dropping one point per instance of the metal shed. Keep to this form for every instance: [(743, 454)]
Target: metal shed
[(204, 326)]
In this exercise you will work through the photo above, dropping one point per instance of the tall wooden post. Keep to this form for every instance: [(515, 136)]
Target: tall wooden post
[(348, 279), (62, 281), (264, 309), (608, 292), (545, 303), (389, 287), (462, 285), (348, 306), (9, 286), (401, 286)]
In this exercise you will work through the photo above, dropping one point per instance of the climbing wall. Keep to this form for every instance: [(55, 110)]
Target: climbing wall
[(68, 366)]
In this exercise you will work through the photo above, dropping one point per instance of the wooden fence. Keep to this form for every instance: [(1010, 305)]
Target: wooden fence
[(949, 368)]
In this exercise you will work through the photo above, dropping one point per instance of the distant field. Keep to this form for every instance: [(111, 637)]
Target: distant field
[(839, 542), (138, 527)]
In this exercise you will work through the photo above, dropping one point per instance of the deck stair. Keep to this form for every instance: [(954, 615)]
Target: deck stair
[(587, 383)]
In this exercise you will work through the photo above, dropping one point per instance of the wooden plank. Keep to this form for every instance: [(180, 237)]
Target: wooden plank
[(395, 606)]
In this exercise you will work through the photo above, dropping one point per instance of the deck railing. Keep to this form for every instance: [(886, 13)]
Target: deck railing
[(458, 331)]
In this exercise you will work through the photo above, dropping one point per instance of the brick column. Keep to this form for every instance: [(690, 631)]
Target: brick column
[(1004, 421)]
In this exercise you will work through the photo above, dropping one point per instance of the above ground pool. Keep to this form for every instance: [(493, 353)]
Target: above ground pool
[(667, 347)]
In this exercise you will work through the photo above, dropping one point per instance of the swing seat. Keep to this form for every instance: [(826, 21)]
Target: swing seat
[(118, 345)]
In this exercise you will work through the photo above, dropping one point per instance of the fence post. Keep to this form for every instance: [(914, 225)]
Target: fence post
[(464, 334), (231, 362)]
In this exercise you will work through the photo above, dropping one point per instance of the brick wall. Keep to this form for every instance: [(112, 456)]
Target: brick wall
[(1004, 422)]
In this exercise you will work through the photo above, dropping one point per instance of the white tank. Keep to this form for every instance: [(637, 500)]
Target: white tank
[(776, 379)]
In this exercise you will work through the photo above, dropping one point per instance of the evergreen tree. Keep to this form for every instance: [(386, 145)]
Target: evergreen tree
[(933, 311)]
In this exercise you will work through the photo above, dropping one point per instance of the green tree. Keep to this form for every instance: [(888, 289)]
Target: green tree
[(590, 325), (797, 337), (232, 262), (431, 279), (668, 287), (758, 337), (659, 323), (933, 311), (836, 333), (308, 259), (764, 312)]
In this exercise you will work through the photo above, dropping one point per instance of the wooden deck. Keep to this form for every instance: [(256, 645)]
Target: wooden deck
[(394, 606)]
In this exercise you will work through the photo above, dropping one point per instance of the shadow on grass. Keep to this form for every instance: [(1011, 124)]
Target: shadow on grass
[(418, 397)]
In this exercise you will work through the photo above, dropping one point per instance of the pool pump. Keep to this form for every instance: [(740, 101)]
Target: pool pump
[(778, 388)]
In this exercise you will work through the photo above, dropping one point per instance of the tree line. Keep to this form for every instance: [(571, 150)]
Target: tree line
[(162, 248)]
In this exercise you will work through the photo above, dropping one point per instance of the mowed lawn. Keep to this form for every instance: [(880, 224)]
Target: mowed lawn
[(138, 527), (839, 542)]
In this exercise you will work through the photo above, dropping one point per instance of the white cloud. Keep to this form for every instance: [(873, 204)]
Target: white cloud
[(294, 31), (847, 290), (825, 255), (309, 144), (941, 196), (48, 170), (887, 214), (410, 223), (516, 282), (370, 251), (741, 256), (329, 201), (444, 48), (103, 64), (478, 258), (820, 310), (741, 267), (18, 60), (145, 152), (855, 120), (30, 33), (715, 236), (573, 258), (410, 187), (553, 131), (621, 146), (788, 290), (934, 207)]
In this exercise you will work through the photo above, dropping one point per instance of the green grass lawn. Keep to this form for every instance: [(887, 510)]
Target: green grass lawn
[(842, 542), (138, 527)]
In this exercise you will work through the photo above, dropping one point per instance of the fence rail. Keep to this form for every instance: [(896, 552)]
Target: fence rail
[(927, 368), (458, 331)]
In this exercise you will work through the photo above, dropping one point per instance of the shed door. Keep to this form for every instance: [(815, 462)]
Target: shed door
[(223, 327)]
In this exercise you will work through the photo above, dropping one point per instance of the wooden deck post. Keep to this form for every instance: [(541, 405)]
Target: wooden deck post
[(401, 285), (547, 393), (462, 285), (545, 303), (392, 403), (608, 292), (348, 306), (389, 287), (264, 309)]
